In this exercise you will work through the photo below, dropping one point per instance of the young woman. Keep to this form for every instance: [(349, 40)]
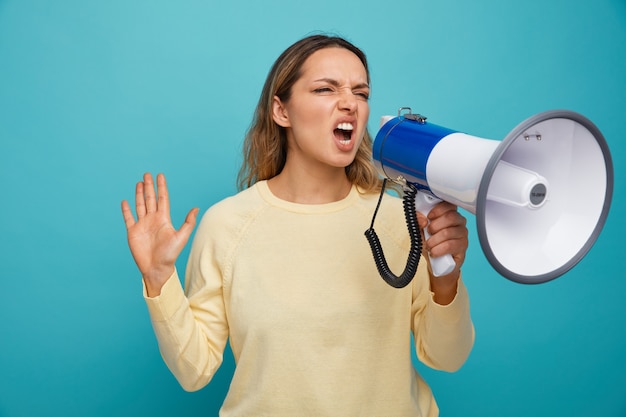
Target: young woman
[(284, 271)]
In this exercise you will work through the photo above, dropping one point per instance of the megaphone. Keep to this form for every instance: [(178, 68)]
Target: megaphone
[(540, 196)]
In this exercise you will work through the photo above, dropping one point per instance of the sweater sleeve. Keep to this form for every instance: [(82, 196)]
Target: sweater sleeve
[(444, 335), (190, 325)]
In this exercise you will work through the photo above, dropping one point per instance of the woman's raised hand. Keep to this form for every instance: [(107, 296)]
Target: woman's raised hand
[(154, 242)]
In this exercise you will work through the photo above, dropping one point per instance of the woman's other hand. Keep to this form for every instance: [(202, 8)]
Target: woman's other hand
[(154, 242)]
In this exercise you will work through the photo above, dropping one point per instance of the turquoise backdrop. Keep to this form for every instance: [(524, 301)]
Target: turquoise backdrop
[(94, 93)]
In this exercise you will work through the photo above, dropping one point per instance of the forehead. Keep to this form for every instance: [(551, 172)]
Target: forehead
[(336, 63)]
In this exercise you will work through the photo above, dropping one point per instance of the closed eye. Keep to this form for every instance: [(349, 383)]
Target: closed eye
[(323, 90), (330, 86)]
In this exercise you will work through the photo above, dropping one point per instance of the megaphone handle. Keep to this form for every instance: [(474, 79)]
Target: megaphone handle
[(441, 265)]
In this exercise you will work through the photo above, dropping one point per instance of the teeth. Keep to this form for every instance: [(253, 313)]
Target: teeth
[(346, 129)]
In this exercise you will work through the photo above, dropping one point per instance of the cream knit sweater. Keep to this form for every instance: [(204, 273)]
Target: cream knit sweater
[(314, 329)]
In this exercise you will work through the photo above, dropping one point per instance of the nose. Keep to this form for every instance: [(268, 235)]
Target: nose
[(347, 101)]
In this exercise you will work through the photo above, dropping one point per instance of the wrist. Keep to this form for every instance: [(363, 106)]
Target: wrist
[(155, 279), (444, 288)]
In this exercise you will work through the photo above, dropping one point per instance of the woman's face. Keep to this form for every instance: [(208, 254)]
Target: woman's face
[(326, 115)]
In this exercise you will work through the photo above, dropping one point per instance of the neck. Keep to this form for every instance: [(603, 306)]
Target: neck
[(299, 186)]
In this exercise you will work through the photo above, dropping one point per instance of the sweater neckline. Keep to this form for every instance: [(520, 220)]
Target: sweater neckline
[(267, 195)]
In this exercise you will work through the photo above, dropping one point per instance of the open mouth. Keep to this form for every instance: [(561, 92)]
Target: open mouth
[(343, 131)]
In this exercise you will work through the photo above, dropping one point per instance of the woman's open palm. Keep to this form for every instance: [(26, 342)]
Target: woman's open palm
[(154, 242)]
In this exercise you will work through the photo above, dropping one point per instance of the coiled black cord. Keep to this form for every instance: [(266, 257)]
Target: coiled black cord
[(408, 201)]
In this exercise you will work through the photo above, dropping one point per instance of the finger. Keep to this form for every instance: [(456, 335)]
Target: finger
[(450, 225), (129, 219), (434, 221), (454, 247), (422, 221), (140, 200), (164, 200), (451, 240), (187, 227), (446, 219), (149, 193), (440, 209)]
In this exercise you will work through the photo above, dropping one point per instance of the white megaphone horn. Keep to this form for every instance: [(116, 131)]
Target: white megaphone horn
[(541, 196)]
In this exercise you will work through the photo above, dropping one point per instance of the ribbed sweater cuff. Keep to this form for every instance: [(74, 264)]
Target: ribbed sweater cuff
[(165, 305), (457, 308)]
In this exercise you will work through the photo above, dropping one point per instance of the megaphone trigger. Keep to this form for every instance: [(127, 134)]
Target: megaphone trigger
[(440, 265)]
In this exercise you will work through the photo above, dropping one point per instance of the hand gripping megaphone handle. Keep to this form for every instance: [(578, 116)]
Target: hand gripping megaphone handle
[(441, 265)]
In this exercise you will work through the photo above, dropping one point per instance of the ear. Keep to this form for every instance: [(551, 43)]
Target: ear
[(279, 113)]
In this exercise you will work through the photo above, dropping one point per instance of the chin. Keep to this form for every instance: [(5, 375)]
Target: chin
[(344, 163)]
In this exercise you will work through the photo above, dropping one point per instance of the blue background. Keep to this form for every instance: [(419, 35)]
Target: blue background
[(93, 94)]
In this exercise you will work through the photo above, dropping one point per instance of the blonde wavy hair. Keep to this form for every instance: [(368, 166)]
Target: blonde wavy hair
[(265, 143)]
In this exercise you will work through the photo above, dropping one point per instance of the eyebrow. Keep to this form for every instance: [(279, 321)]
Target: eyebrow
[(336, 83)]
